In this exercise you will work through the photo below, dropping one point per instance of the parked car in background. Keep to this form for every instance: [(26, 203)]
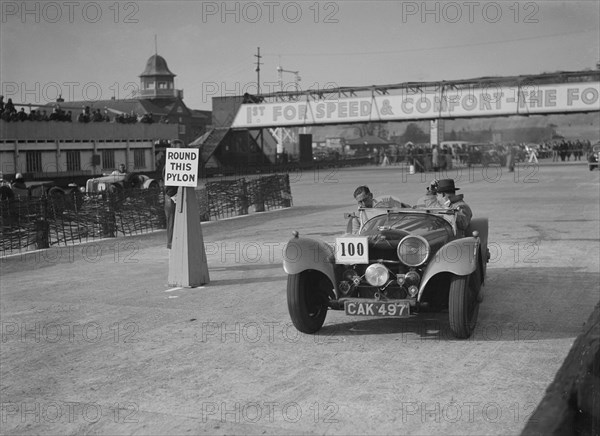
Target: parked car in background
[(119, 182), (32, 190), (486, 154)]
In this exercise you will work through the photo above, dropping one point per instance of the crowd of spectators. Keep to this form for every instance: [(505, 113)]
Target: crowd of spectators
[(562, 150), (9, 113), (425, 157)]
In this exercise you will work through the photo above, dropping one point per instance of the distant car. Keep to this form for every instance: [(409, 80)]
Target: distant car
[(401, 263), (593, 156), (32, 190), (485, 154), (119, 182)]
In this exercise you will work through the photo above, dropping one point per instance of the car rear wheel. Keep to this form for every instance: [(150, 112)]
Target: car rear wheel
[(307, 299), (462, 305)]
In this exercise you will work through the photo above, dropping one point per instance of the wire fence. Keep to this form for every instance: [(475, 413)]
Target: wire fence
[(54, 220)]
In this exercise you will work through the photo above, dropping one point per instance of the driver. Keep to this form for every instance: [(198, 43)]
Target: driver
[(120, 171), (365, 199), (442, 194)]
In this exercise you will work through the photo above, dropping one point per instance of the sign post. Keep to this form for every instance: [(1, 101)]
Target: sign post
[(187, 257)]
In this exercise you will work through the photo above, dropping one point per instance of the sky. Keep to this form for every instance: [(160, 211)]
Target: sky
[(97, 50)]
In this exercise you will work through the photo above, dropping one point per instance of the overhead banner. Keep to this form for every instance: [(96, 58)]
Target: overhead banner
[(415, 105)]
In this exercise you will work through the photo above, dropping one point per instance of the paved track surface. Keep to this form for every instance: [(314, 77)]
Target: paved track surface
[(95, 341)]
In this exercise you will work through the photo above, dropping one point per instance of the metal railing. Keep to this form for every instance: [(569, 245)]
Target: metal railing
[(29, 224)]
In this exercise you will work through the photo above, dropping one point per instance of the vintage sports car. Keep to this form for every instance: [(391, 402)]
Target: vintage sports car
[(118, 182), (401, 262), (593, 156)]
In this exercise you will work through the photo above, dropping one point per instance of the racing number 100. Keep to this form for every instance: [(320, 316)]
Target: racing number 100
[(352, 249)]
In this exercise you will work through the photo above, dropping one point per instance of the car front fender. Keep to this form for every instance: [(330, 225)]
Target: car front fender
[(301, 254), (147, 182), (481, 225), (458, 257)]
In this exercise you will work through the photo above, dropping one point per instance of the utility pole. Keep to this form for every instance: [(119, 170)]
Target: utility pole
[(258, 64)]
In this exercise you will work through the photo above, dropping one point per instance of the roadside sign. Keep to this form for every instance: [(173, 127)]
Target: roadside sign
[(181, 168)]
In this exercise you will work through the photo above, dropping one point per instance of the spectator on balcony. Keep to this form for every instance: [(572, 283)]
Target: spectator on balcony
[(22, 115), (55, 115), (97, 116), (147, 118), (10, 107), (84, 116)]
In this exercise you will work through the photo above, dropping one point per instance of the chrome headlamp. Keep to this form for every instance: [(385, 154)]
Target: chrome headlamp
[(413, 250), (377, 274)]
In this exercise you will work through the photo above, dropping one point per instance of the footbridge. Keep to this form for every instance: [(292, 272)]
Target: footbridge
[(551, 93)]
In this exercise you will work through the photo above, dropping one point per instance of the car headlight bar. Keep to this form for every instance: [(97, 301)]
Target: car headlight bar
[(377, 274)]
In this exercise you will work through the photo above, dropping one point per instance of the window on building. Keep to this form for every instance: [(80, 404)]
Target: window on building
[(139, 158), (108, 159), (179, 110), (34, 161), (73, 160), (182, 129)]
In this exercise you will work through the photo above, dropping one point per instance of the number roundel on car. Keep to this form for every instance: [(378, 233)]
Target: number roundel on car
[(413, 250), (351, 250)]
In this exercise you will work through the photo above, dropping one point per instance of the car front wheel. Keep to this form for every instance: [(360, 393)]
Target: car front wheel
[(462, 305), (307, 297)]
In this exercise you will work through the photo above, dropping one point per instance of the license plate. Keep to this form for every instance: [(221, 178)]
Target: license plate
[(380, 308)]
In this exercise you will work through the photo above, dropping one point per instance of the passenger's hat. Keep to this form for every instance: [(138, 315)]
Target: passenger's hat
[(446, 185)]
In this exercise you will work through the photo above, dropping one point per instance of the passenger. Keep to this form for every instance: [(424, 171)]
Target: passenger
[(442, 194), (430, 199)]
